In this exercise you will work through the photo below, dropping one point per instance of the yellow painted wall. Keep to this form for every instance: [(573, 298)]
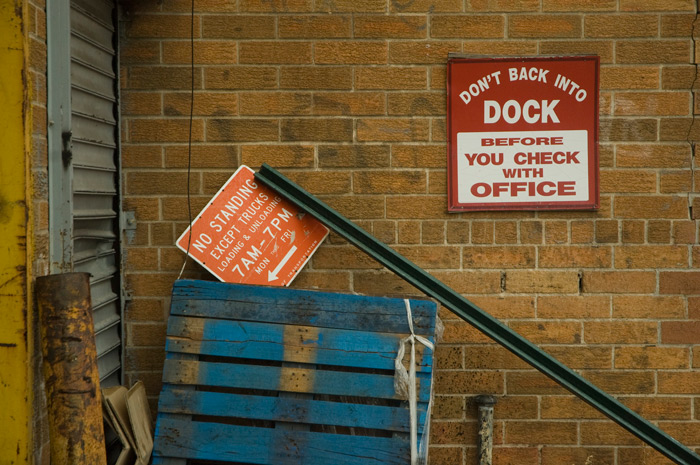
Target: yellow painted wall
[(15, 235)]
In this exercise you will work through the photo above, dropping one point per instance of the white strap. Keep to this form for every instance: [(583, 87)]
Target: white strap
[(410, 378)]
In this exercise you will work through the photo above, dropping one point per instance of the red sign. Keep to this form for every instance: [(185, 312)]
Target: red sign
[(249, 234), (523, 133)]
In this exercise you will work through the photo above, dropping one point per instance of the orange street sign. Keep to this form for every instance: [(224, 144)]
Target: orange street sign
[(248, 234)]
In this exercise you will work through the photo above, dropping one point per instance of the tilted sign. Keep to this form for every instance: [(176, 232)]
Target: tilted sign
[(523, 133), (249, 234)]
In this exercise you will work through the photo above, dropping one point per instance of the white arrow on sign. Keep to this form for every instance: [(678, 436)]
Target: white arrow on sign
[(272, 275)]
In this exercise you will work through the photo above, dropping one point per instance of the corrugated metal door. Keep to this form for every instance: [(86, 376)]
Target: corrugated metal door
[(90, 162)]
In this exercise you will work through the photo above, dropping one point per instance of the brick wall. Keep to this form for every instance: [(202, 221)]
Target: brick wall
[(35, 23), (347, 97)]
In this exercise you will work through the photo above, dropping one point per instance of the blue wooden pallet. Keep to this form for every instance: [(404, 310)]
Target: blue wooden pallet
[(269, 375)]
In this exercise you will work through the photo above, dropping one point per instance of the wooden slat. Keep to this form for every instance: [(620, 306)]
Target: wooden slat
[(274, 446), (303, 344), (309, 308), (287, 379), (309, 411)]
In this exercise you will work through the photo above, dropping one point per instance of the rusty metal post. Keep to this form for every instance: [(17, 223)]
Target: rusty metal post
[(70, 370), (485, 404)]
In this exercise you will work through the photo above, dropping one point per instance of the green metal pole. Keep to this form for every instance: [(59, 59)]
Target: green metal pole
[(481, 320)]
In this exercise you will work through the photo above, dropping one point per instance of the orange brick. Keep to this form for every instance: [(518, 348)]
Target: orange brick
[(573, 307), (390, 27), (560, 455), (417, 104), (544, 26), (583, 357), (465, 382), (351, 207), (144, 358), (162, 78), (460, 332), (499, 257), (660, 408), (342, 257), (446, 455), (350, 156), (628, 130), (606, 433), (545, 282), (675, 182), (567, 408), (418, 156), (159, 183), (684, 232), (602, 48), (242, 130), (206, 52), (677, 25), (637, 455), (349, 52), (612, 181), (141, 259), (652, 357), (618, 26), (549, 332), (680, 332), (653, 156), (314, 27), (448, 358), (652, 103), (356, 103), (651, 257), (522, 407), (584, 5), (240, 77), (575, 257), (351, 6), (454, 27), (483, 232), (145, 310), (164, 130), (420, 52), (541, 432), (500, 47), (141, 156), (657, 5), (274, 53), (145, 208), (448, 407), (392, 78), (677, 77), (556, 232), (532, 382), (162, 26), (275, 103), (656, 51), (620, 332), (421, 6), (274, 6), (141, 103), (409, 232), (531, 232), (669, 207), (175, 208), (392, 130), (317, 78), (331, 130), (502, 5), (680, 382), (205, 103), (150, 285), (492, 357), (629, 77), (679, 282), (648, 307), (325, 280), (322, 182), (431, 256), (280, 156), (448, 432), (389, 182), (505, 307)]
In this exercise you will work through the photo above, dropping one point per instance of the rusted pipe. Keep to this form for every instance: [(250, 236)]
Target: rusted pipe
[(485, 404), (70, 370)]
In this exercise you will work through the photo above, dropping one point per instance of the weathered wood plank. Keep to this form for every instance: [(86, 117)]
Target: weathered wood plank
[(302, 344), (287, 379), (268, 446), (175, 400), (310, 308)]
